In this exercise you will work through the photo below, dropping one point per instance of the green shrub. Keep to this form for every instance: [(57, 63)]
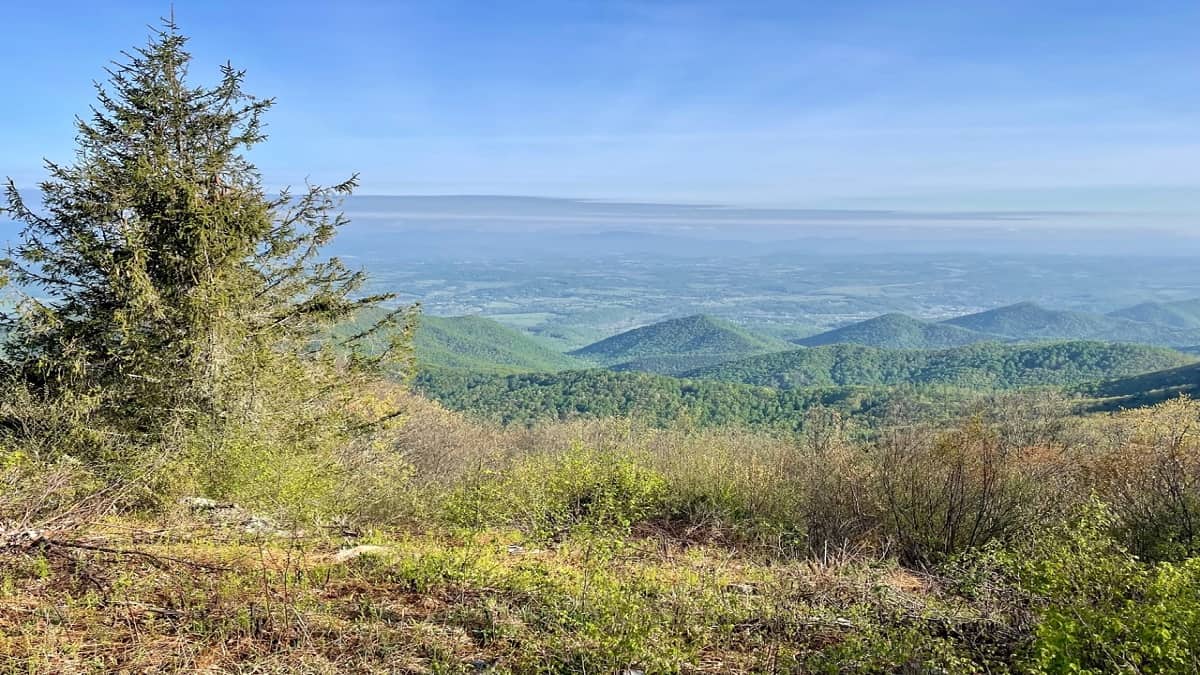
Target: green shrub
[(549, 496), (1103, 610), (944, 493), (1148, 470)]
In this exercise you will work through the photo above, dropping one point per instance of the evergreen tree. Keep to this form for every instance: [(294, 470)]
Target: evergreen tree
[(160, 276)]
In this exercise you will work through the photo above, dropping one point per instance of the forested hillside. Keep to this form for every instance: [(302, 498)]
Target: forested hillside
[(985, 365), (899, 331)]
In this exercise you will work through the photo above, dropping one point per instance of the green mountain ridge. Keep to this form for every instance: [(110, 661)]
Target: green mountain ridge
[(990, 365), (899, 331)]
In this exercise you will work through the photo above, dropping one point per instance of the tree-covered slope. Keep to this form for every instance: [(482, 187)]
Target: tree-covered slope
[(1145, 389), (1183, 314), (898, 331), (989, 365), (698, 337), (1028, 321), (661, 400), (673, 364)]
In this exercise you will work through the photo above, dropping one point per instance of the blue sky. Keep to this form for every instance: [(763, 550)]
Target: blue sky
[(990, 105)]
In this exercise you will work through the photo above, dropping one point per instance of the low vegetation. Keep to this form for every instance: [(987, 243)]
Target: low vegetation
[(1019, 539)]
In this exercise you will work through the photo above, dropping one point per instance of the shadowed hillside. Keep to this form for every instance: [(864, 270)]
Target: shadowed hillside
[(898, 331), (1183, 314), (1145, 389), (1029, 321)]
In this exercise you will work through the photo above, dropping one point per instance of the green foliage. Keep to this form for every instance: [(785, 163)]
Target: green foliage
[(173, 306), (945, 493), (898, 331), (1147, 468), (554, 495), (1102, 610), (674, 345), (984, 365)]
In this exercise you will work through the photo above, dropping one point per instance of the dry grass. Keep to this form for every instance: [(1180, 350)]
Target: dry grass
[(435, 604)]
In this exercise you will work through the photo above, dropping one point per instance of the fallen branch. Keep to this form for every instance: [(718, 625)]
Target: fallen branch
[(154, 558)]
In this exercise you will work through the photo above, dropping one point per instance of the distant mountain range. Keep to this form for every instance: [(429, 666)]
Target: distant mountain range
[(1028, 321), (729, 374), (1171, 324), (1013, 346), (472, 343), (684, 345)]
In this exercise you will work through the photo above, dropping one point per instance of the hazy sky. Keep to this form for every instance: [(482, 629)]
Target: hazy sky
[(958, 105)]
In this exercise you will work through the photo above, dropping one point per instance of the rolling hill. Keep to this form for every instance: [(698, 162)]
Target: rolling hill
[(677, 345), (472, 343), (1028, 321), (480, 344), (898, 331), (1183, 314), (985, 365)]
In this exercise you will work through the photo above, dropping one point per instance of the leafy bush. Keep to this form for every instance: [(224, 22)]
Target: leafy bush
[(1149, 472), (549, 496), (305, 458), (945, 493), (1105, 611), (733, 488)]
